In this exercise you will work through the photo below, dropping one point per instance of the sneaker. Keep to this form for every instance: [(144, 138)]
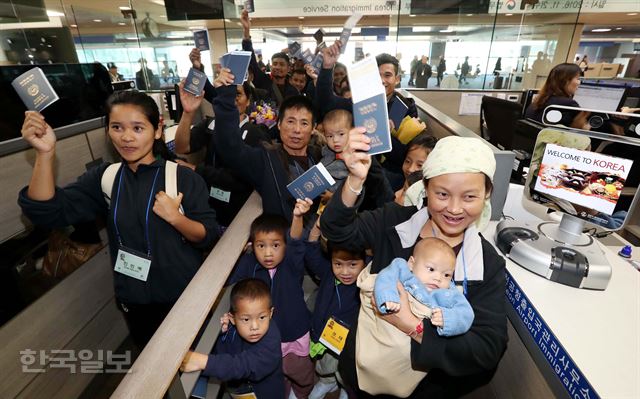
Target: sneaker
[(322, 388), (343, 394)]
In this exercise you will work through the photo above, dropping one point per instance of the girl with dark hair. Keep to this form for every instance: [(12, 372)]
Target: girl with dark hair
[(418, 150), (155, 248), (561, 85)]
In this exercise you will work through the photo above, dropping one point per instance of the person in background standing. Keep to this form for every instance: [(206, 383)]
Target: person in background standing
[(423, 73), (498, 67), (464, 71), (412, 70), (442, 67)]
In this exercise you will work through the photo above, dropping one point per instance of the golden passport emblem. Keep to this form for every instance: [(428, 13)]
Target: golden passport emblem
[(195, 81), (370, 124), (33, 90)]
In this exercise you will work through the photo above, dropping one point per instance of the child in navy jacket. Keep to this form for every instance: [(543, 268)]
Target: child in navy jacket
[(338, 299), (247, 356), (280, 263)]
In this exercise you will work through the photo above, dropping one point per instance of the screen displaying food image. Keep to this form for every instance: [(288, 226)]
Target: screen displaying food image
[(584, 178)]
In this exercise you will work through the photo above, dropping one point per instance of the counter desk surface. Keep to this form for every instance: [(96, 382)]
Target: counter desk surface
[(599, 330)]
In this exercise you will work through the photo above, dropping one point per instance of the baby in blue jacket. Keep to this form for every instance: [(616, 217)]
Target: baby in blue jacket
[(427, 276)]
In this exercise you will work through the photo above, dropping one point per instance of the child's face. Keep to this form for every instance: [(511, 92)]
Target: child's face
[(252, 318), (269, 248), (413, 160), (345, 268), (337, 135), (433, 267), (299, 81)]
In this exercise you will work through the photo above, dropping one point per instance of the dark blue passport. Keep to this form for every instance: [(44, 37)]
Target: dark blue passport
[(34, 90), (201, 37), (397, 112), (311, 183), (194, 83), (238, 63), (371, 113)]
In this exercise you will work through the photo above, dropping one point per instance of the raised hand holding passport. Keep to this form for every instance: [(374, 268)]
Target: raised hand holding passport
[(189, 102), (355, 155), (37, 132), (225, 78), (331, 55)]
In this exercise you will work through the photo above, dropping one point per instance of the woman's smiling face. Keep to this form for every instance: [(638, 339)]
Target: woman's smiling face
[(455, 200)]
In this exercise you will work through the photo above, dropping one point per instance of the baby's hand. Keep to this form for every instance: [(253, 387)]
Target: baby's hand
[(224, 322), (436, 317), (302, 207), (193, 361), (392, 307)]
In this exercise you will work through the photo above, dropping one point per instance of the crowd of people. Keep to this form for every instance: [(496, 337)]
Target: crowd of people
[(410, 297)]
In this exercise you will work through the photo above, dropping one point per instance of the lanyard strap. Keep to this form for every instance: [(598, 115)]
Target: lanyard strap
[(146, 223), (298, 168), (338, 294), (464, 263)]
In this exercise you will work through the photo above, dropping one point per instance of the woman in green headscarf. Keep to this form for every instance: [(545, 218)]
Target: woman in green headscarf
[(458, 182)]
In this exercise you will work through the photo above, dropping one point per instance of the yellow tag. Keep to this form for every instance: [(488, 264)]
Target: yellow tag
[(321, 208), (334, 335), (249, 395)]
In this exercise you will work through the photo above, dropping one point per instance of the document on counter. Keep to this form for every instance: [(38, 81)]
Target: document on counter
[(34, 90), (470, 103), (370, 103), (352, 21)]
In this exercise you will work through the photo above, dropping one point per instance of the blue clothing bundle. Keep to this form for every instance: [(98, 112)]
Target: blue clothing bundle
[(456, 310), (241, 364), (336, 167), (334, 298), (290, 311)]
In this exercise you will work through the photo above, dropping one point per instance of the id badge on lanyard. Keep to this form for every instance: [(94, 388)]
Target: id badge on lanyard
[(130, 262), (133, 263), (334, 335)]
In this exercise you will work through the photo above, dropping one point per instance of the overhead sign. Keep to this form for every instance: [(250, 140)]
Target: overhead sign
[(562, 6)]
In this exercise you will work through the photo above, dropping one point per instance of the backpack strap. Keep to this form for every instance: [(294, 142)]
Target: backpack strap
[(170, 176), (108, 177), (171, 181)]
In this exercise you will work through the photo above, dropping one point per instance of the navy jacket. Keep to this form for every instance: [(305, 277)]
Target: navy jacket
[(174, 260), (263, 168), (217, 175), (290, 313), (242, 364), (334, 298)]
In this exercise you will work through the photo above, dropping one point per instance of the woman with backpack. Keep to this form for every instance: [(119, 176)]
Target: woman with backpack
[(155, 241)]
